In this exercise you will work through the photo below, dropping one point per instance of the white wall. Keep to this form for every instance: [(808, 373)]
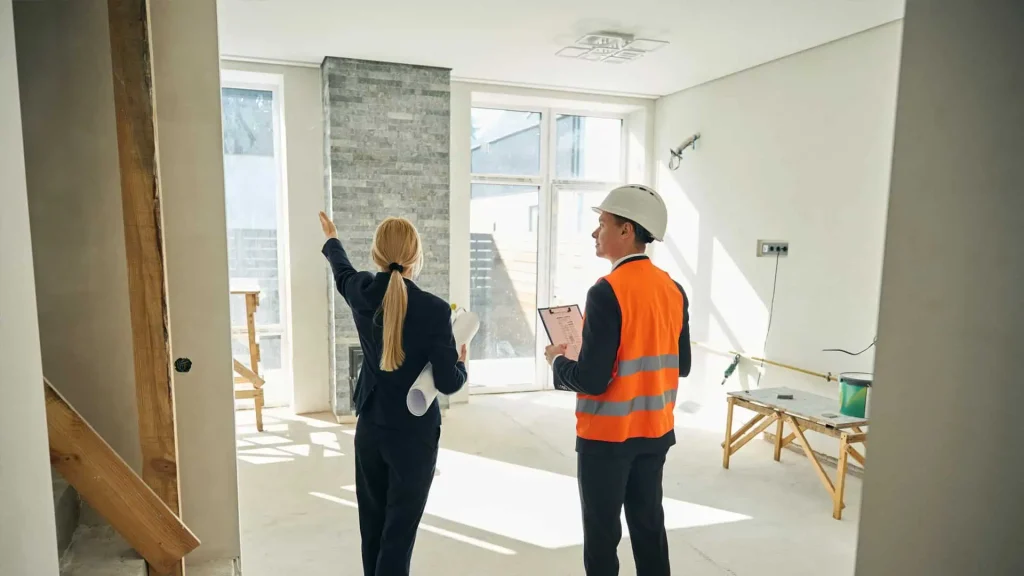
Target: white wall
[(28, 542), (78, 238), (942, 495), (186, 77), (797, 150), (74, 192), (306, 267)]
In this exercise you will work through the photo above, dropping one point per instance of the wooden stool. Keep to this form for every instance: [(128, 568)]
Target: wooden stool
[(249, 375)]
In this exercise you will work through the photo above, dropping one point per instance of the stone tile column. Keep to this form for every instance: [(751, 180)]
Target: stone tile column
[(386, 153)]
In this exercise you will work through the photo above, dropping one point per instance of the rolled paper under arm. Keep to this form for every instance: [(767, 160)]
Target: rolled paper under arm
[(423, 393)]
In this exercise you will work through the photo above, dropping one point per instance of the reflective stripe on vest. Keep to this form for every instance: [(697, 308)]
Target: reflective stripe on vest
[(638, 404), (640, 399), (648, 364)]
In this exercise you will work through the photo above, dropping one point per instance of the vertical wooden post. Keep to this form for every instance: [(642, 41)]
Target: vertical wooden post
[(252, 300), (779, 429), (727, 446), (837, 498), (131, 59)]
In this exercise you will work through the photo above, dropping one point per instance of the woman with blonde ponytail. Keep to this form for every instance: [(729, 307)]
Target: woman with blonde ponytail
[(401, 328)]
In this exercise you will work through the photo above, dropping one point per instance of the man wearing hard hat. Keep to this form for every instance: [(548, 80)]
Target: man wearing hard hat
[(636, 346)]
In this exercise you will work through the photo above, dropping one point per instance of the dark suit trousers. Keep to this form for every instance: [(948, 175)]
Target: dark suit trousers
[(607, 482), (394, 470)]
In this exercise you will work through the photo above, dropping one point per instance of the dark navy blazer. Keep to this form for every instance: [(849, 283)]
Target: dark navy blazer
[(427, 337)]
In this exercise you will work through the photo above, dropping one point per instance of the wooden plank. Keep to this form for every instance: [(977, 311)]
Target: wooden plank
[(736, 435), (778, 438), (788, 439), (825, 480), (131, 60), (857, 438), (812, 425), (754, 407), (113, 489), (249, 376), (727, 445), (251, 301), (753, 433), (837, 498), (856, 455)]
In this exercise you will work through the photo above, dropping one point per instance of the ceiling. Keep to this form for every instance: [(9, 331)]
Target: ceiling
[(514, 41)]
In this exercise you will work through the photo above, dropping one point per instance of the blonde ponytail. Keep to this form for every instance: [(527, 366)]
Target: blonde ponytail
[(396, 302), (397, 250)]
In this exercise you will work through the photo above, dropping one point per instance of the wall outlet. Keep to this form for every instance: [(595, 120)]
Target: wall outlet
[(772, 248)]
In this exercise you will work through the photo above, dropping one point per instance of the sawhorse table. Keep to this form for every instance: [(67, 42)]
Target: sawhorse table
[(802, 411), (249, 374)]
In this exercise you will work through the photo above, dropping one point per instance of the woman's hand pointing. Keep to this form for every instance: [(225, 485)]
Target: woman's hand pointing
[(330, 231)]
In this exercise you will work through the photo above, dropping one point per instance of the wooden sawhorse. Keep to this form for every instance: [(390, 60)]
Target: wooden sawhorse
[(250, 374), (804, 411)]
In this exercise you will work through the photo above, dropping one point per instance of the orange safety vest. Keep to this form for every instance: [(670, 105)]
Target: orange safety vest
[(640, 400)]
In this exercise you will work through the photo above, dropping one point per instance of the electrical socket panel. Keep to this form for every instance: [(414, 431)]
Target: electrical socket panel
[(776, 248)]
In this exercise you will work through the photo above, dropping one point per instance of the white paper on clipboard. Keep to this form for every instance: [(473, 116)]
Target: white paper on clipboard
[(564, 325)]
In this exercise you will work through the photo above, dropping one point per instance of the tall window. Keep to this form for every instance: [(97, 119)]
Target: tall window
[(535, 175), (252, 184), (503, 246), (588, 163)]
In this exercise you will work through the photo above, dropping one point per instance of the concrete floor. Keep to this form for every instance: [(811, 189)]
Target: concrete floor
[(505, 502)]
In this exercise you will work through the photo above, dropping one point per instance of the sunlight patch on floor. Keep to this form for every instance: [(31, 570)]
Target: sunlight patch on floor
[(530, 505), (428, 528)]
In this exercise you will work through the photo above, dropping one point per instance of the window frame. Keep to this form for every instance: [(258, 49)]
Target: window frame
[(273, 83), (547, 217)]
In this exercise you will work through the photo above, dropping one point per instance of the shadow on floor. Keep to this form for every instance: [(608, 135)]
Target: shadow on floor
[(506, 503)]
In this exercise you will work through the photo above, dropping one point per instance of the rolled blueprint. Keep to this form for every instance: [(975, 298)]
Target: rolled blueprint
[(465, 325)]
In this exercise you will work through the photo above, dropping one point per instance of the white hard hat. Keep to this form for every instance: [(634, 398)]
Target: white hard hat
[(641, 205)]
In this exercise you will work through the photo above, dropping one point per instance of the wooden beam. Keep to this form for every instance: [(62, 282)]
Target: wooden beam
[(825, 480), (857, 438), (744, 403), (856, 455), (806, 424), (753, 433), (778, 439), (113, 489), (727, 443), (131, 60), (788, 439), (247, 374), (750, 424), (837, 497)]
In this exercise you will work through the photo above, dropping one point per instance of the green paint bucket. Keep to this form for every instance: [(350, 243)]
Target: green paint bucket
[(855, 394)]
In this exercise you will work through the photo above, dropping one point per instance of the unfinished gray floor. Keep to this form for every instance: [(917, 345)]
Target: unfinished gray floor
[(505, 500)]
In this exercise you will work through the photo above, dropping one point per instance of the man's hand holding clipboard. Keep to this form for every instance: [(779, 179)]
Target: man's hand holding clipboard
[(564, 327)]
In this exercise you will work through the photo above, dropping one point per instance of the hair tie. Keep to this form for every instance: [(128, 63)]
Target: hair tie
[(396, 267)]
